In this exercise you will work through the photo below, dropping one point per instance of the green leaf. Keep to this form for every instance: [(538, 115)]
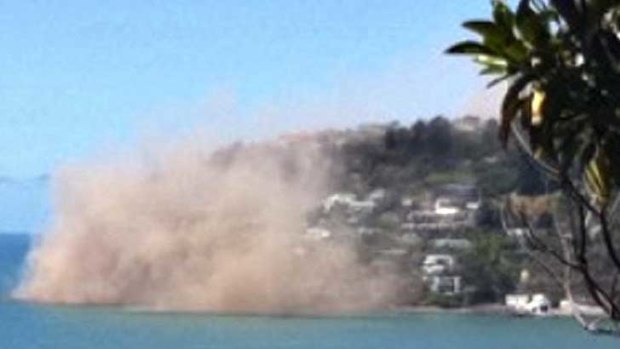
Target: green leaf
[(587, 154), (491, 61), (470, 48), (484, 28), (511, 105), (597, 176), (517, 52), (496, 37), (532, 28), (503, 15), (495, 70)]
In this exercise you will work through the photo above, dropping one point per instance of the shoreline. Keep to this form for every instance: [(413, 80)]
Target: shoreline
[(496, 309), (489, 309)]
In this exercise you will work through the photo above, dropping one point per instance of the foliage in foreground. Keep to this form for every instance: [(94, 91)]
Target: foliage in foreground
[(561, 61)]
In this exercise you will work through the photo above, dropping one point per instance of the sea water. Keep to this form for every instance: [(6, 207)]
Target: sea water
[(29, 326)]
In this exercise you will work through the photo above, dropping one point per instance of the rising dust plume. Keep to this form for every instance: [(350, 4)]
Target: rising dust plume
[(185, 229)]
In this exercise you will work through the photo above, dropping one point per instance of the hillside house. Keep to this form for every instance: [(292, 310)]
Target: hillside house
[(448, 285), (435, 264), (439, 274)]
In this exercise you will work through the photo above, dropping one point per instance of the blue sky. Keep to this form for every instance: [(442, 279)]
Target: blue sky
[(80, 76)]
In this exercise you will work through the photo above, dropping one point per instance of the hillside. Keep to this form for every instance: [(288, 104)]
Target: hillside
[(427, 198)]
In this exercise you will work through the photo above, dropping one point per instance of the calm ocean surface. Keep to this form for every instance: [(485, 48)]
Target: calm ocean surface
[(26, 326)]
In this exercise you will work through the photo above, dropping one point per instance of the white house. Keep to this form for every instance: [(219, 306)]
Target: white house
[(437, 270), (348, 200), (435, 264), (446, 285), (525, 304), (517, 302), (444, 207), (452, 198)]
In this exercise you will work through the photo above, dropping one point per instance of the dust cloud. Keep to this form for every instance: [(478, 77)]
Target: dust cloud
[(185, 229)]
